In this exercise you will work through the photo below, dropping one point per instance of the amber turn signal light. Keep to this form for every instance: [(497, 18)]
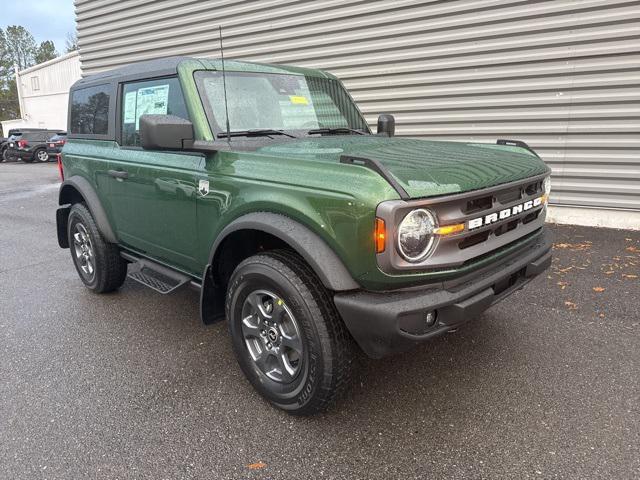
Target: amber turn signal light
[(449, 229), (380, 235)]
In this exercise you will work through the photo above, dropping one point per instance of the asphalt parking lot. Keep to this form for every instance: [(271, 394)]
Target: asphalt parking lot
[(132, 385)]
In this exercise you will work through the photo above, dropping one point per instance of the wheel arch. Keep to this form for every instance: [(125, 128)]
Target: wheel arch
[(78, 189), (278, 231)]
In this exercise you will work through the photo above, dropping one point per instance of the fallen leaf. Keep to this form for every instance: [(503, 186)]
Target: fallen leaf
[(629, 239), (609, 272), (598, 289), (573, 246), (633, 249), (256, 466), (601, 315), (628, 275), (571, 305)]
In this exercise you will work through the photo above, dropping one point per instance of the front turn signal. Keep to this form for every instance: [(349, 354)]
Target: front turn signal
[(380, 235), (449, 229)]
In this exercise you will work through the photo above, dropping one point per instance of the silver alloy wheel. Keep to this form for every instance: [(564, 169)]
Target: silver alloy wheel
[(42, 155), (272, 336), (84, 251)]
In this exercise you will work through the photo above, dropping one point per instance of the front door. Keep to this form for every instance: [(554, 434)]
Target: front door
[(153, 194)]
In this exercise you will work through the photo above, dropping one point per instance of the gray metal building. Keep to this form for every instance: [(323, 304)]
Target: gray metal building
[(563, 75)]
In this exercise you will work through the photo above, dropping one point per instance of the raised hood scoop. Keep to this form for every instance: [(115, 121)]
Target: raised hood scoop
[(424, 168)]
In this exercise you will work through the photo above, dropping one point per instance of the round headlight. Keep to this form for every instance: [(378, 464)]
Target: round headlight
[(546, 184), (415, 235)]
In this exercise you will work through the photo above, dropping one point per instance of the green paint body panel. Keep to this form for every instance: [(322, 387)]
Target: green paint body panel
[(158, 211)]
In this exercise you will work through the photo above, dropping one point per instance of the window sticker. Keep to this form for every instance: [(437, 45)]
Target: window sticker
[(299, 100), (152, 101), (130, 107)]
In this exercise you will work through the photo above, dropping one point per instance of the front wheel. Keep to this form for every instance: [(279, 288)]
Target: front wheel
[(287, 335)]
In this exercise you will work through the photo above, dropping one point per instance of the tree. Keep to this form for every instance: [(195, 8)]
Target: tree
[(71, 43), (9, 106), (46, 51), (17, 47), (6, 67), (20, 46)]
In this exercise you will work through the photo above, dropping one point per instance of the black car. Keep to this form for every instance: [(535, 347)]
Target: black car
[(55, 144), (29, 146), (14, 134)]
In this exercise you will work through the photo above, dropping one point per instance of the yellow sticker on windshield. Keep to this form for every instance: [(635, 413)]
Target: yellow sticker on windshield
[(299, 100)]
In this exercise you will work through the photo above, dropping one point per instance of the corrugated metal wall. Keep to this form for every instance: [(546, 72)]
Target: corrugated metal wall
[(562, 75)]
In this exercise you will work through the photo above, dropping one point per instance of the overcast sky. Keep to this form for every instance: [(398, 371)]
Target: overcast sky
[(45, 19)]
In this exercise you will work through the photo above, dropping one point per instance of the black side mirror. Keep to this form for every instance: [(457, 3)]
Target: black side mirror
[(386, 125), (165, 132)]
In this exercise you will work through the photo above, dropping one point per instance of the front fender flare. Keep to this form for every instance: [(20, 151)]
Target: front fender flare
[(90, 197), (322, 259)]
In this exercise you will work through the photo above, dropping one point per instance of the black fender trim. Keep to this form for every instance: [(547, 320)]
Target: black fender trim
[(322, 259), (516, 143), (380, 169), (84, 188)]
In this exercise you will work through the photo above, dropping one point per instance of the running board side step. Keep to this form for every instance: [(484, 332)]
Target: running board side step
[(153, 275)]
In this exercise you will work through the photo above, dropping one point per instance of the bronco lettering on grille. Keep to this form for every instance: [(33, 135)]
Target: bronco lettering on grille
[(504, 214)]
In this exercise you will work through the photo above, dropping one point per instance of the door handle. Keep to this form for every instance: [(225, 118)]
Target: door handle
[(118, 174)]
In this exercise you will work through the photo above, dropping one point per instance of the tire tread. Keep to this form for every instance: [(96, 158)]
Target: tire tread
[(111, 267), (338, 367)]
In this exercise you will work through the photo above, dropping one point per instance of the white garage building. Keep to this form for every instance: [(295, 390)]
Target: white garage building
[(562, 75), (43, 93)]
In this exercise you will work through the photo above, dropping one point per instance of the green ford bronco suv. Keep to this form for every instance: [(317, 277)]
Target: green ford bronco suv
[(263, 187)]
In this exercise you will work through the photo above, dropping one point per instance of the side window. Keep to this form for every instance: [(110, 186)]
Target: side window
[(90, 110), (162, 96)]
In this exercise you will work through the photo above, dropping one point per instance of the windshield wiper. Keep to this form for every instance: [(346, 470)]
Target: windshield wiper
[(335, 130), (259, 132)]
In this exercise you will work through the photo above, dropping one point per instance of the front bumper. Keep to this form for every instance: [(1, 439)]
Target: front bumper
[(383, 323)]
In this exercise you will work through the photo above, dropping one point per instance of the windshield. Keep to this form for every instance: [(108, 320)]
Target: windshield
[(277, 102)]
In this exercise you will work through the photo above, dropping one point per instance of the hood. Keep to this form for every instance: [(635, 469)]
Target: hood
[(423, 168)]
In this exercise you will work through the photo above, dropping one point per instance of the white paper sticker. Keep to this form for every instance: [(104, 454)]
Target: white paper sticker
[(152, 101), (130, 107)]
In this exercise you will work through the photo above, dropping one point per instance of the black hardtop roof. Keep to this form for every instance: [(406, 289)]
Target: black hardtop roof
[(147, 69), (169, 66)]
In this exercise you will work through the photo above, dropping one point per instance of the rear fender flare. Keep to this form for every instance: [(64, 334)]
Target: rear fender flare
[(82, 186)]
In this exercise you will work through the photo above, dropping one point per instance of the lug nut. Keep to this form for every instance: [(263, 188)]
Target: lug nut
[(268, 344)]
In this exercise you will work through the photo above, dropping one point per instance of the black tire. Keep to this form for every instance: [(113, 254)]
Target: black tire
[(108, 269), (41, 155), (324, 366)]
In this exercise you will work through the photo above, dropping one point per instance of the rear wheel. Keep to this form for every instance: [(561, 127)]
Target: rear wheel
[(41, 155), (287, 335), (98, 263)]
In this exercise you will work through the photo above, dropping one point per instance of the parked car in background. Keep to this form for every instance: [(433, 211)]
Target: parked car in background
[(29, 146), (15, 133), (55, 144)]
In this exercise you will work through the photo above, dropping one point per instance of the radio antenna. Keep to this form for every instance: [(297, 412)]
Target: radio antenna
[(224, 86)]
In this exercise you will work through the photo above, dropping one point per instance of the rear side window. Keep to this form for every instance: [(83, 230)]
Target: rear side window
[(162, 96), (32, 136), (90, 110)]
